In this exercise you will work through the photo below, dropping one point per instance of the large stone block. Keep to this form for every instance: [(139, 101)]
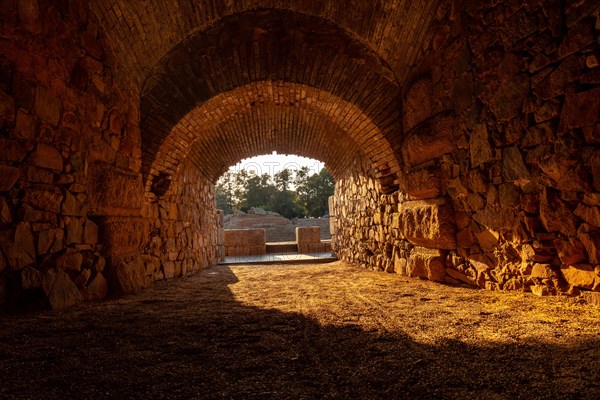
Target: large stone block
[(128, 274), (245, 237), (555, 215), (123, 235), (424, 184), (60, 289), (42, 199), (48, 157), (418, 105), (97, 289), (429, 223), (113, 191), (427, 263), (430, 140), (571, 252), (308, 235), (245, 242), (584, 276)]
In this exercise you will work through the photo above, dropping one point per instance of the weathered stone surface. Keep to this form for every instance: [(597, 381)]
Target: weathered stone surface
[(513, 168), (430, 141), (47, 106), (543, 271), (42, 199), (26, 126), (426, 263), (461, 276), (18, 246), (424, 184), (50, 241), (507, 102), (555, 215), (70, 261), (580, 110), (494, 218), (571, 252), (487, 239), (74, 205), (456, 189), (97, 289), (429, 223), (90, 233), (565, 174), (591, 242), (60, 290), (249, 242), (418, 104), (74, 231), (11, 150), (584, 276), (481, 152), (127, 274), (308, 235), (123, 235), (590, 215), (8, 177), (46, 156), (114, 191), (509, 196)]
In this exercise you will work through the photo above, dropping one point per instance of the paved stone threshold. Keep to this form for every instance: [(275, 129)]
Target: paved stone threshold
[(281, 258)]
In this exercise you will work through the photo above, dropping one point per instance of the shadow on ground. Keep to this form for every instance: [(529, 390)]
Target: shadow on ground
[(206, 345)]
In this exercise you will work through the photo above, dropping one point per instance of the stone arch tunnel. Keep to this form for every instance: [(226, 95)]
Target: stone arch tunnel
[(464, 136)]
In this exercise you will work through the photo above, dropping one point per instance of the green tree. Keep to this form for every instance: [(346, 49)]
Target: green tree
[(290, 195), (313, 191), (225, 192), (259, 191), (283, 200)]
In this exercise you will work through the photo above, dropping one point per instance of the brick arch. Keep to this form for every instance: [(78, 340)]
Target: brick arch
[(277, 47), (142, 32), (265, 116)]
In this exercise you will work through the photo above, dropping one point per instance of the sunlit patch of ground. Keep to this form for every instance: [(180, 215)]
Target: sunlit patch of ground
[(306, 332)]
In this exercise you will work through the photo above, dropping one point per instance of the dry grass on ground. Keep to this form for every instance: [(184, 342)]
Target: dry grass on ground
[(305, 332)]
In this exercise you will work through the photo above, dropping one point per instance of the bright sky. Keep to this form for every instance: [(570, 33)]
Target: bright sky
[(273, 163)]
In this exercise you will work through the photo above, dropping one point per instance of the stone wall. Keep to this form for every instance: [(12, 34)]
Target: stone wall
[(186, 230), (501, 158), (69, 154), (74, 221)]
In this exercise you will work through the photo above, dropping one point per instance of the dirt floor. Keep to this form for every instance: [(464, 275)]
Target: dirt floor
[(326, 331)]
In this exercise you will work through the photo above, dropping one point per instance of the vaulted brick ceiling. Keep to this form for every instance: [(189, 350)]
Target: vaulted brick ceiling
[(223, 80)]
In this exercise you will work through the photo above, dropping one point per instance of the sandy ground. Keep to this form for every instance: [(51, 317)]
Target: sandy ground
[(326, 331)]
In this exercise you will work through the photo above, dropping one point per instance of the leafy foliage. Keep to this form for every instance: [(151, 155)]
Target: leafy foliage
[(290, 194)]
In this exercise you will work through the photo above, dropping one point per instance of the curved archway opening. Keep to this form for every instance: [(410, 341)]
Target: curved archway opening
[(305, 86)]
